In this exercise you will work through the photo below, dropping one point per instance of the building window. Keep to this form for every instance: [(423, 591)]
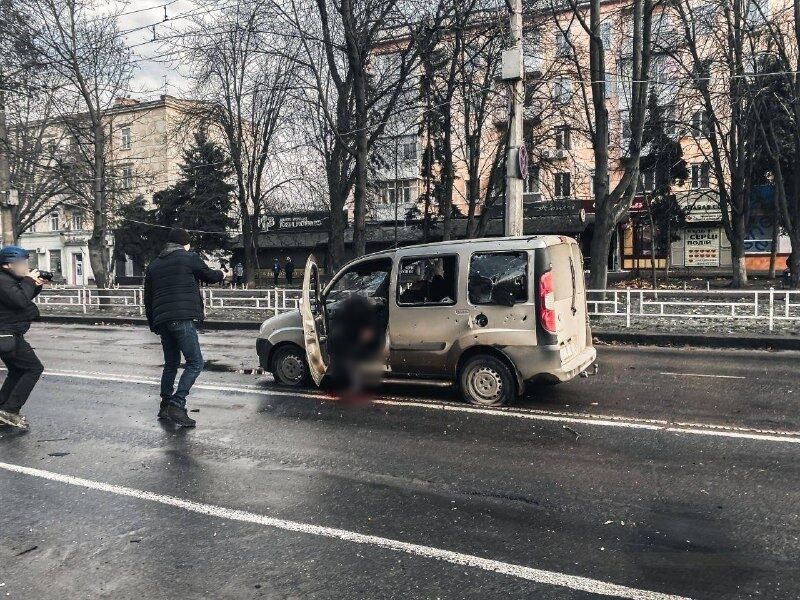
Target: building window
[(562, 189), (605, 35), (700, 176), (532, 187), (54, 224), (127, 177), (77, 221), (407, 148), (563, 137), (125, 141), (700, 127), (55, 261), (563, 47), (608, 84), (625, 127), (757, 12), (562, 89), (388, 190)]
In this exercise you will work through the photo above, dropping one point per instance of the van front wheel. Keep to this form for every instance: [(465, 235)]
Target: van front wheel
[(289, 366), (487, 381)]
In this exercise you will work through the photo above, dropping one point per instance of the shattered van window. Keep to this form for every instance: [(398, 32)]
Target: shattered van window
[(498, 278)]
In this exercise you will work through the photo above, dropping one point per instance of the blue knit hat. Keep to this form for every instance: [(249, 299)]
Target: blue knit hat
[(12, 254)]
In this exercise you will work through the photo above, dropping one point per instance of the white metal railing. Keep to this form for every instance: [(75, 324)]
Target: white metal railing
[(276, 300), (767, 306), (628, 305)]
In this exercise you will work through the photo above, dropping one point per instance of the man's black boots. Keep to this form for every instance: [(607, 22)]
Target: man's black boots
[(162, 408), (179, 416)]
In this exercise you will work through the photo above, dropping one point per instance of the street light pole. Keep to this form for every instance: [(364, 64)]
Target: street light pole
[(513, 72)]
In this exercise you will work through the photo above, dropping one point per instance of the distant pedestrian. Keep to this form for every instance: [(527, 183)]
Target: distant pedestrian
[(238, 274), (276, 270), (19, 285), (173, 304), (289, 269)]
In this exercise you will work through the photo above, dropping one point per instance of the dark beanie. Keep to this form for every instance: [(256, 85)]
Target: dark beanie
[(179, 236)]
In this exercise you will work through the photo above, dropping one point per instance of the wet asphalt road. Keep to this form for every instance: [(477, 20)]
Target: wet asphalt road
[(657, 474)]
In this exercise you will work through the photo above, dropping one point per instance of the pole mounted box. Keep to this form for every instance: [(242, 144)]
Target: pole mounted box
[(9, 198), (512, 64)]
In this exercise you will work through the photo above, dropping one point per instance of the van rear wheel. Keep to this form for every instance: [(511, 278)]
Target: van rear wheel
[(289, 366), (487, 381)]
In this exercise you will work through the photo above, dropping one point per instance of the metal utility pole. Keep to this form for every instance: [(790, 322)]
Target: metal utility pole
[(5, 176), (513, 74)]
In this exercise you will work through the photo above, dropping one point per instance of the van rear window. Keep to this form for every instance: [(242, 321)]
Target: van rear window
[(498, 278)]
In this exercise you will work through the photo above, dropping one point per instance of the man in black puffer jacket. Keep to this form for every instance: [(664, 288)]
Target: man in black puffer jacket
[(173, 303), (18, 287)]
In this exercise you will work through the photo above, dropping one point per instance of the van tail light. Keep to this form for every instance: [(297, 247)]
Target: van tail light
[(547, 303)]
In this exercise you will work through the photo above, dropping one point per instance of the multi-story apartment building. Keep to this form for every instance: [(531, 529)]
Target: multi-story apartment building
[(557, 124), (144, 144)]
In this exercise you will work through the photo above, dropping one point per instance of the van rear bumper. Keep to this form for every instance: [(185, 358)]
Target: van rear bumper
[(544, 362), (577, 364)]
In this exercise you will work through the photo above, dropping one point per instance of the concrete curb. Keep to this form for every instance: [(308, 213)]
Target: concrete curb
[(640, 338), (698, 340)]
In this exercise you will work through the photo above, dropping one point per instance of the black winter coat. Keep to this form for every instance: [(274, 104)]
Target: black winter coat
[(171, 290), (17, 308)]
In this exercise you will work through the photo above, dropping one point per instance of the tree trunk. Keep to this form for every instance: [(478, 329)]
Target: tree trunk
[(338, 225), (739, 267), (98, 253), (600, 248), (448, 179), (773, 251)]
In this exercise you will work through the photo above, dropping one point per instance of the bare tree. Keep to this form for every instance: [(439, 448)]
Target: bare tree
[(34, 150), (243, 73), (716, 50), (776, 93), (611, 203), (81, 42), (358, 56)]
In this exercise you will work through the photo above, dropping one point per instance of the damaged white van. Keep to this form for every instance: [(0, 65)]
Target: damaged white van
[(487, 315)]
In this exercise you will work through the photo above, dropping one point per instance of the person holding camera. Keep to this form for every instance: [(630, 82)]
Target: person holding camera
[(19, 285), (173, 305)]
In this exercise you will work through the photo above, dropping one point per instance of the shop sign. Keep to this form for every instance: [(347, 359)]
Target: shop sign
[(701, 206), (313, 221), (701, 246)]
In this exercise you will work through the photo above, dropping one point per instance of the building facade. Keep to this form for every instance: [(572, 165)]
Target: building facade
[(144, 144)]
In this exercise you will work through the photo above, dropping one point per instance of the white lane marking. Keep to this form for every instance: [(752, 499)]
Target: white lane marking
[(573, 582), (708, 429), (702, 375)]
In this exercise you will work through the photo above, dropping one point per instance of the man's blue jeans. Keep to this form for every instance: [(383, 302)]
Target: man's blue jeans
[(179, 337)]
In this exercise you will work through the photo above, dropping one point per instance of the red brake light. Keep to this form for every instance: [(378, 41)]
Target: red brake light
[(547, 303)]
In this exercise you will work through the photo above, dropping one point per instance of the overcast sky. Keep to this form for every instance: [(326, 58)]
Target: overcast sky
[(152, 67)]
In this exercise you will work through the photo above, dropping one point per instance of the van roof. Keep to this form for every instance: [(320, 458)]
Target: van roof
[(533, 241)]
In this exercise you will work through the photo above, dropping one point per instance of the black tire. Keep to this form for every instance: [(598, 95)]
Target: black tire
[(487, 381), (289, 366)]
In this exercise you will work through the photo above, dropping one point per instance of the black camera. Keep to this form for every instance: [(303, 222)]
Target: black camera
[(46, 275)]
